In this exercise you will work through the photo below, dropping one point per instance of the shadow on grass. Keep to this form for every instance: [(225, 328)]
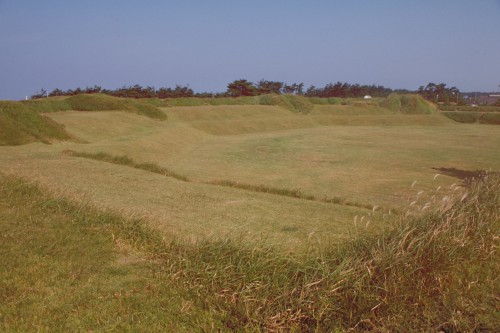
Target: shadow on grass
[(466, 176)]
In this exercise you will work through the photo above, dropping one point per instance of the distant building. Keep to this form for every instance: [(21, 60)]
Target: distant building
[(488, 99)]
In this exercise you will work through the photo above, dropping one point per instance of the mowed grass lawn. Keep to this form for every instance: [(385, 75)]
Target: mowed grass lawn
[(368, 164), (366, 158)]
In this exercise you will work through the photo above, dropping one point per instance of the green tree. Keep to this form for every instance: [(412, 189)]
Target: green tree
[(241, 87), (56, 92), (440, 93), (269, 87), (295, 88)]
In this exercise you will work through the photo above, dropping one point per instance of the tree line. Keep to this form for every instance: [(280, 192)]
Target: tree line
[(439, 93), (136, 91), (432, 92), (236, 88)]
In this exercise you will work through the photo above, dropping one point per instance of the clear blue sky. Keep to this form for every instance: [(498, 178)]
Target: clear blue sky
[(396, 43)]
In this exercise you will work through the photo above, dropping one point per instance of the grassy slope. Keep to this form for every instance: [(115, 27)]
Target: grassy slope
[(34, 128), (190, 210), (288, 102), (372, 164), (407, 104), (232, 284), (336, 161), (19, 126), (333, 161), (68, 267), (154, 168), (484, 114), (470, 117), (93, 102), (21, 122)]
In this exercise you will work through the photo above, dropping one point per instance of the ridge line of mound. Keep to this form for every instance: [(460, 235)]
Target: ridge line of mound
[(22, 122)]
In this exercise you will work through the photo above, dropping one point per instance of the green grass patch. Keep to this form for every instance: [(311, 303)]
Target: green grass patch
[(46, 105), (69, 267), (127, 161), (293, 193), (290, 102), (21, 122), (490, 118), (394, 103), (326, 101), (462, 117), (90, 102), (200, 101), (479, 108), (407, 104), (184, 101), (151, 167), (297, 104), (100, 102), (468, 117), (19, 125)]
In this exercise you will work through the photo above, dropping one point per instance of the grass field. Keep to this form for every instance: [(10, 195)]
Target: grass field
[(358, 153), (294, 176), (68, 266), (325, 155)]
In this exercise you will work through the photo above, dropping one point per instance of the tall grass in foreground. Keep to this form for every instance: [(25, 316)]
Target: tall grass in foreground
[(434, 272), (71, 267)]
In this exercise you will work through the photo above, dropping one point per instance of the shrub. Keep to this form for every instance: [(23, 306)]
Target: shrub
[(461, 117), (490, 118)]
